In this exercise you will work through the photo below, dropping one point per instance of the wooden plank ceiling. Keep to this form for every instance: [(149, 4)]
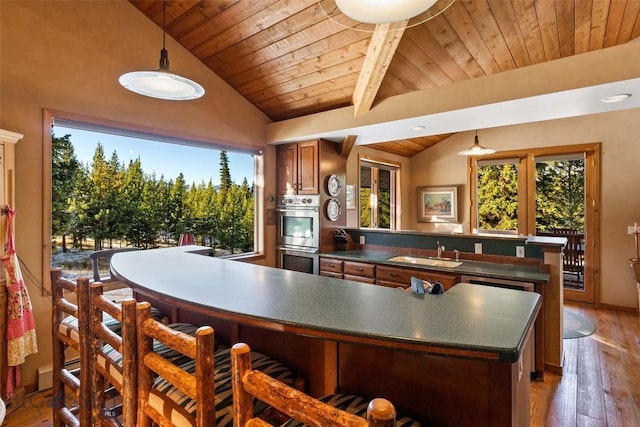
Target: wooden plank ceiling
[(291, 58)]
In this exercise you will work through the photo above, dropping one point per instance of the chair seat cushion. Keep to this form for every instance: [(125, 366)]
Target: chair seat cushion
[(111, 360), (168, 400), (356, 405), (69, 325)]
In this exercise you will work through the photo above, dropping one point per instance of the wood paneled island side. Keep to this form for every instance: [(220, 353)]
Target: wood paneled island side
[(450, 359)]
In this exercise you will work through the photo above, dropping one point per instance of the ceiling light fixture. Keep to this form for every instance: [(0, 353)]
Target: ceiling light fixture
[(416, 128), (476, 149), (365, 15), (616, 98), (383, 11), (162, 83)]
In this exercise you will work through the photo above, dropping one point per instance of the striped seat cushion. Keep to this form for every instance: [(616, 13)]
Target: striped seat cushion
[(354, 405), (69, 325), (178, 407), (111, 360)]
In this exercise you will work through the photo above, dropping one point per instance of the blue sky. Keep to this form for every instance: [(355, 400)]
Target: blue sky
[(196, 164)]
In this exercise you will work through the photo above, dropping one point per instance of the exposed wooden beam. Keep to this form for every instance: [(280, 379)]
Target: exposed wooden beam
[(347, 145), (384, 42)]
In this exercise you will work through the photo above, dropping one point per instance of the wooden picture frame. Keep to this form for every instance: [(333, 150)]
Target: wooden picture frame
[(438, 204)]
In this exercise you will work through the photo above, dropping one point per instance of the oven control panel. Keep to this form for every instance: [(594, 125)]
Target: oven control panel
[(299, 201)]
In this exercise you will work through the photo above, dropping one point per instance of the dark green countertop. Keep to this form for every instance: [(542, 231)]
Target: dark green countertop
[(485, 322), (519, 273)]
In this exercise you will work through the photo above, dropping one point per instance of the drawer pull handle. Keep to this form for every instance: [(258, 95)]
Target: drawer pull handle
[(359, 269), (393, 274)]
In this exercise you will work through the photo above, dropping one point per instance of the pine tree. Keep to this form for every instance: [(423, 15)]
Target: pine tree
[(64, 168)]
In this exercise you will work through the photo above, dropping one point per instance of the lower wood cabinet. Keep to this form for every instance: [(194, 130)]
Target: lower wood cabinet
[(397, 276), (360, 272), (382, 275)]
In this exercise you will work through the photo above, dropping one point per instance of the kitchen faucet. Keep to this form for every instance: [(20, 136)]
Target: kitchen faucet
[(440, 250)]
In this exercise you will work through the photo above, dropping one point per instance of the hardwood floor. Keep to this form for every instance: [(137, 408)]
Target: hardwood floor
[(600, 385)]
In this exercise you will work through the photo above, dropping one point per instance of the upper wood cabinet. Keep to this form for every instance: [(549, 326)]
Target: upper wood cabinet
[(298, 168)]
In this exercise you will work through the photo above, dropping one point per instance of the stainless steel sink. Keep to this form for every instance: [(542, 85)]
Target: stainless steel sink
[(432, 262)]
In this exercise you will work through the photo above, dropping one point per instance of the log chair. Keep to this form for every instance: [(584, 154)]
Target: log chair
[(249, 384), (113, 356), (70, 326)]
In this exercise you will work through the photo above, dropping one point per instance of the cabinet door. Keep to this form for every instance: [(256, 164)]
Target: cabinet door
[(330, 265), (360, 269), (287, 172), (308, 179)]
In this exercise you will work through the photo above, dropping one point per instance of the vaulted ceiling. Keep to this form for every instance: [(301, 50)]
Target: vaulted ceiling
[(291, 58)]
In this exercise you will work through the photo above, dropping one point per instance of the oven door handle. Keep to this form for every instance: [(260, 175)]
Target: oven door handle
[(297, 249), (298, 210)]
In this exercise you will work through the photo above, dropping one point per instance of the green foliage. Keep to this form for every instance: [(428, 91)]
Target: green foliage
[(559, 195), (106, 201), (64, 171), (498, 197)]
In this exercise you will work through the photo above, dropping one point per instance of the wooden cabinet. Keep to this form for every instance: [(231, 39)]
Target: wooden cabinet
[(360, 272), (298, 168), (401, 277), (382, 275), (331, 267), (7, 161)]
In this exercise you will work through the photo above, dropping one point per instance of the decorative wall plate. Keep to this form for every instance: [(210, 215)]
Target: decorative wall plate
[(334, 185), (333, 209)]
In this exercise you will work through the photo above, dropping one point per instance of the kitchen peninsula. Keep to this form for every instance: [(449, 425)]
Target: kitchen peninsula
[(446, 359)]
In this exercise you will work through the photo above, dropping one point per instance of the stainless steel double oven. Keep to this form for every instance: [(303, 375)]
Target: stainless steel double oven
[(298, 232)]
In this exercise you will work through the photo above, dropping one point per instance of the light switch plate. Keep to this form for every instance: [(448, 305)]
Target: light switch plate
[(362, 240), (478, 248), (520, 251)]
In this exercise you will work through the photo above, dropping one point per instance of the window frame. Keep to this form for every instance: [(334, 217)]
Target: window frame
[(526, 203), (50, 117), (395, 199)]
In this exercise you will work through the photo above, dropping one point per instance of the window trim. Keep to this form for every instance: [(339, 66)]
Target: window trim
[(396, 202)]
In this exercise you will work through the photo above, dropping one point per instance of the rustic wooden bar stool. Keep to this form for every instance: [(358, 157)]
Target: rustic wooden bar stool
[(249, 384), (113, 356), (70, 326), (194, 388)]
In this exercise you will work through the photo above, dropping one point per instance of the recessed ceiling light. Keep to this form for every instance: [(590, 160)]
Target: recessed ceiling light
[(416, 128), (616, 98)]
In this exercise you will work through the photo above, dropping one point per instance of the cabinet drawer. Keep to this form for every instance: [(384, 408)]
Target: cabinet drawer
[(359, 269), (369, 280), (402, 276), (331, 274), (330, 264)]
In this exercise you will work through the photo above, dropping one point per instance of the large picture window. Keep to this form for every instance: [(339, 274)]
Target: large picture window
[(112, 189)]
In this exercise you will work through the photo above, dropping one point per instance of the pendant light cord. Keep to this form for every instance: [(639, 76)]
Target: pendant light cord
[(164, 22), (164, 55)]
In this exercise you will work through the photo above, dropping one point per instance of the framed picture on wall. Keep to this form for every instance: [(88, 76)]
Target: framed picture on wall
[(438, 204)]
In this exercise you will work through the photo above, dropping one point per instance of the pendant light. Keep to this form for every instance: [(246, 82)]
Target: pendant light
[(162, 83), (476, 149)]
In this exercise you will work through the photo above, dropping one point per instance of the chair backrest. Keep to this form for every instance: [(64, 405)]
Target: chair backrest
[(113, 360), (196, 386), (248, 383), (574, 253), (100, 261), (70, 326)]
